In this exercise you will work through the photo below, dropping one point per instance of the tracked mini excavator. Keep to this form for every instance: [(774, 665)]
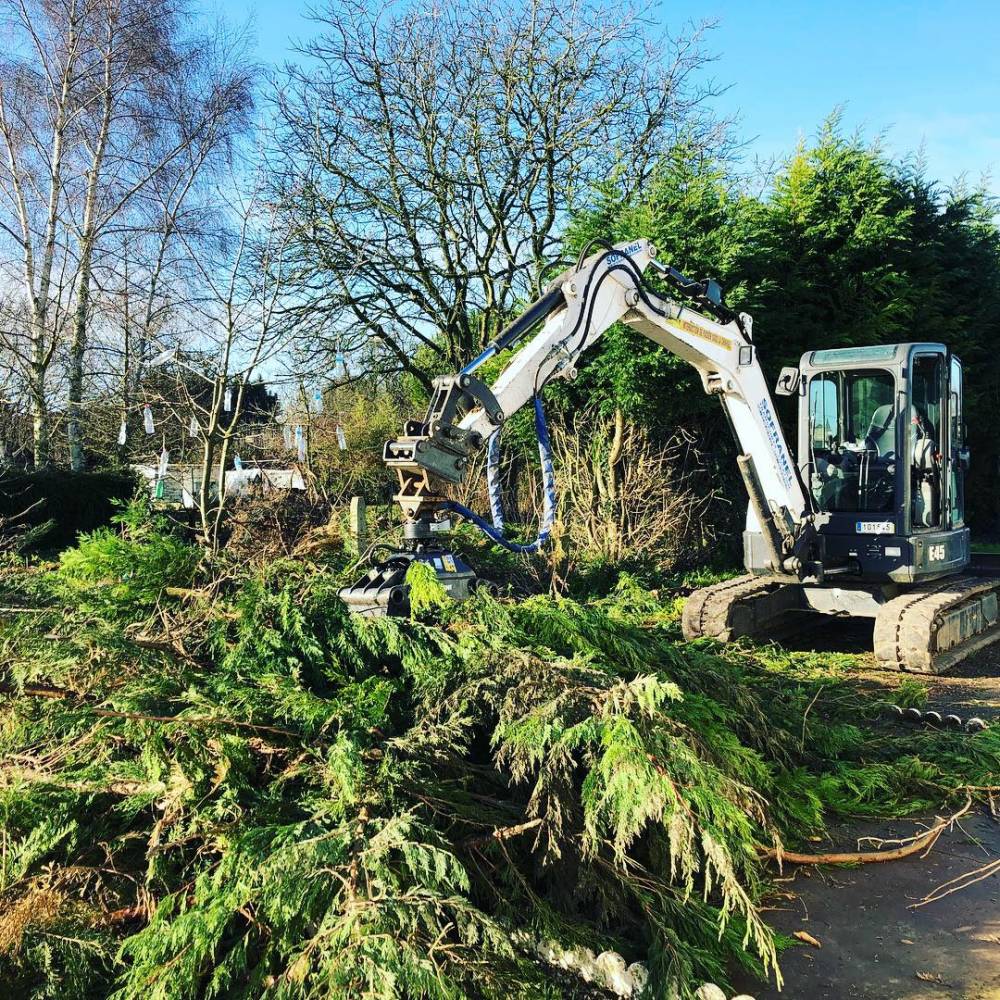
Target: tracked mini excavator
[(869, 522)]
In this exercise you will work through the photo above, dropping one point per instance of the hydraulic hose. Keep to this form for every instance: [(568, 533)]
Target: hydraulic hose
[(538, 311), (496, 529)]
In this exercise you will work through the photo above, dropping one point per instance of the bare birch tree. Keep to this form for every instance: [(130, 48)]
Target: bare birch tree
[(38, 82), (97, 99), (161, 105), (148, 270)]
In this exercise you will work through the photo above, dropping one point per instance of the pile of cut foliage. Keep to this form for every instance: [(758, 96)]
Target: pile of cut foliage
[(217, 784)]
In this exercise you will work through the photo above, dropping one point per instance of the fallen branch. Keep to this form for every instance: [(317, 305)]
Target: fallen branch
[(503, 833), (188, 594), (967, 879), (36, 691), (908, 846), (856, 857), (958, 883), (112, 917)]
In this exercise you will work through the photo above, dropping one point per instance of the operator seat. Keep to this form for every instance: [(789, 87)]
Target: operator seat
[(878, 472), (881, 436)]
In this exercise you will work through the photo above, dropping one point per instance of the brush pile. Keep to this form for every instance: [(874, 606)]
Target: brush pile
[(220, 784)]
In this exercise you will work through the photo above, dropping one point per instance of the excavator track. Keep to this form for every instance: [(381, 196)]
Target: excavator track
[(934, 626), (745, 606)]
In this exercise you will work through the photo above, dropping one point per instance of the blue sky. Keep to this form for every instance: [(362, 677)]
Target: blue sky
[(927, 72)]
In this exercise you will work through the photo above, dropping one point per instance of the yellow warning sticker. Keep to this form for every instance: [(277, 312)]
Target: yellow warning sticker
[(449, 563), (696, 331)]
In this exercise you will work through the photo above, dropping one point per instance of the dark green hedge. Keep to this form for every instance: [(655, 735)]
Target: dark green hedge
[(73, 501)]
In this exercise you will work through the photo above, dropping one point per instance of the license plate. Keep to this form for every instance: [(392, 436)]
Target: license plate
[(875, 527)]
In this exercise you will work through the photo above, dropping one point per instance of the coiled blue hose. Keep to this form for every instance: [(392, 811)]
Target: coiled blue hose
[(496, 529)]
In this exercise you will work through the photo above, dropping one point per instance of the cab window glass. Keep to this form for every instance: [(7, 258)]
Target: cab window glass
[(852, 434), (957, 425), (824, 420), (925, 440)]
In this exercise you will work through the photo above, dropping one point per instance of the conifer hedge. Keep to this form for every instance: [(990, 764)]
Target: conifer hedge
[(66, 503)]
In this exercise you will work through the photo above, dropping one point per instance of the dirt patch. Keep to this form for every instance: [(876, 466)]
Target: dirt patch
[(972, 688), (874, 946)]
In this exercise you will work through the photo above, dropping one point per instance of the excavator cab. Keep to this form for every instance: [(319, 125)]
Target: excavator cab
[(882, 458), (881, 451)]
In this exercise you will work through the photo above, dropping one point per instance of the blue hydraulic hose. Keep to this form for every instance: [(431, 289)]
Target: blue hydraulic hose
[(496, 529)]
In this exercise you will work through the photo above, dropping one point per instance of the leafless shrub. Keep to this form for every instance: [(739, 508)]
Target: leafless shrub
[(267, 526), (625, 496)]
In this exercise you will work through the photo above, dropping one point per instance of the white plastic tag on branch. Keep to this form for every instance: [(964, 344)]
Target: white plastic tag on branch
[(193, 427), (122, 433), (237, 462), (286, 434), (164, 462), (341, 438), (300, 443), (147, 419), (318, 401), (227, 402)]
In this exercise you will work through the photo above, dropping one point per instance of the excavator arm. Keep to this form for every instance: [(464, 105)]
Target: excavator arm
[(573, 314)]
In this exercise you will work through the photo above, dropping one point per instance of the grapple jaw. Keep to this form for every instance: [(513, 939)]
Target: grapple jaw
[(383, 589)]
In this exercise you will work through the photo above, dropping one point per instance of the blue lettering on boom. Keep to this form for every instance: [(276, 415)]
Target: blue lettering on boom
[(784, 468), (613, 258)]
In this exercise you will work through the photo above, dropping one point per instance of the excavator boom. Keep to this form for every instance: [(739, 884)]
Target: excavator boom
[(575, 311)]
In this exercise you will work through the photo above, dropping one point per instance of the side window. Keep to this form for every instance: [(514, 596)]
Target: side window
[(926, 398), (823, 411), (957, 476), (926, 440)]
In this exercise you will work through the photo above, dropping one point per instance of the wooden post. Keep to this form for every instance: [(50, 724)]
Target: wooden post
[(357, 525)]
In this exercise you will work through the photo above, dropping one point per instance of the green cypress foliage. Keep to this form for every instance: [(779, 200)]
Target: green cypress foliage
[(239, 790)]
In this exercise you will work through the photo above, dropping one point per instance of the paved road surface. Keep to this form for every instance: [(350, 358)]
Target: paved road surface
[(873, 946)]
